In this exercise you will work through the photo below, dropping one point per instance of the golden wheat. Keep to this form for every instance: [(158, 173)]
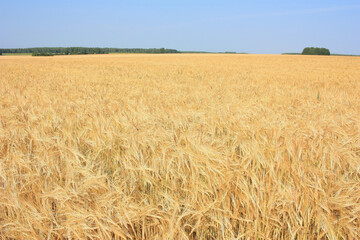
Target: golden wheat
[(180, 147)]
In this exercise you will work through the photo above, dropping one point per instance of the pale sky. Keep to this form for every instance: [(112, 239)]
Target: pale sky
[(243, 26)]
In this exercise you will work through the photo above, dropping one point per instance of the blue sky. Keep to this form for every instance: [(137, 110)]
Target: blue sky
[(256, 26)]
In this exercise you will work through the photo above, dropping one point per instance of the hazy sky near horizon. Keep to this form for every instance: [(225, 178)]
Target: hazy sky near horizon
[(256, 26)]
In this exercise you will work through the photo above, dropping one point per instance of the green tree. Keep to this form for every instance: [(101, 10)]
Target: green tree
[(315, 51)]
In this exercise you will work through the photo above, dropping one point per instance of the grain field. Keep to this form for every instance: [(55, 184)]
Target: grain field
[(180, 146)]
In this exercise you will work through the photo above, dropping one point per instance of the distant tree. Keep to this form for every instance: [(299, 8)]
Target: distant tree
[(42, 54), (162, 50), (315, 51), (97, 50)]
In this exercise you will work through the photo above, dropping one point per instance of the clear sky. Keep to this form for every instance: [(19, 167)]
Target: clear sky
[(256, 26)]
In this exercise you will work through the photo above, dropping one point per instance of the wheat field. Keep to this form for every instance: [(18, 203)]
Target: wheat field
[(180, 146)]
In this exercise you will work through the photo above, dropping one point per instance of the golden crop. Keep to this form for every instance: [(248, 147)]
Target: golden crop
[(185, 146)]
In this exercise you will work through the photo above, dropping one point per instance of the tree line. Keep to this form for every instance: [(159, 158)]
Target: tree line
[(84, 50)]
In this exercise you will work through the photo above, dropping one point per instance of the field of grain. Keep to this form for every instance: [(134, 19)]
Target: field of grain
[(185, 146)]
